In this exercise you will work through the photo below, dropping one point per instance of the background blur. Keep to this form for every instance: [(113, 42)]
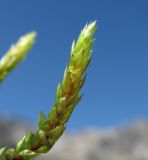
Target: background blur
[(116, 89)]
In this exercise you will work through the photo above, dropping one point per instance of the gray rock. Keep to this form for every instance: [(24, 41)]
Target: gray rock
[(123, 143)]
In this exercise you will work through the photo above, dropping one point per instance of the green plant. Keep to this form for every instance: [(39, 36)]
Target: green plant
[(50, 127)]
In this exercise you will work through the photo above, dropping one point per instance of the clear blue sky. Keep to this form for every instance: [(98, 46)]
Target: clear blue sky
[(116, 89)]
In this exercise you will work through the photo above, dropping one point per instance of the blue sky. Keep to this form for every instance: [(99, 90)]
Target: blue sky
[(116, 89)]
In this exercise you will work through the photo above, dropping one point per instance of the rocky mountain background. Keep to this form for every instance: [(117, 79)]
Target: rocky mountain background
[(123, 143)]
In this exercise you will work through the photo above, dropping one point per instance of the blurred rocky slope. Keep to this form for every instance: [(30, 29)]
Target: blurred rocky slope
[(123, 143)]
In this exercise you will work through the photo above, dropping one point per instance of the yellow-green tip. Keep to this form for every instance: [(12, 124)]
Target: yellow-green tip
[(16, 53), (27, 40)]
